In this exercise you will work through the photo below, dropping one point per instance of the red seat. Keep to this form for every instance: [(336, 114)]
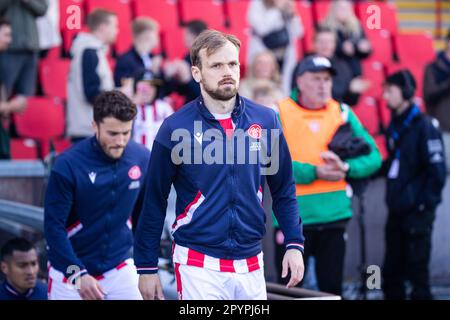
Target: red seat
[(384, 113), (67, 19), (173, 44), (210, 11), (381, 42), (236, 13), (373, 71), (380, 140), (23, 149), (176, 101), (123, 10), (388, 15), (320, 10), (43, 120), (367, 113), (61, 145), (243, 34), (305, 11), (163, 11), (414, 48), (53, 76), (67, 12)]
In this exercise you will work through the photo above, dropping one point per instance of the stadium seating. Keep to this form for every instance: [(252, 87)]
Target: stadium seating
[(23, 149), (210, 11), (320, 10), (304, 10), (163, 11), (67, 33), (53, 75), (173, 44), (381, 45), (43, 121), (388, 16), (380, 140), (236, 13), (414, 48), (367, 113), (374, 72)]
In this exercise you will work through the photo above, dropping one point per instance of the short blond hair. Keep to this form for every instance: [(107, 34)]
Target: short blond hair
[(98, 17), (141, 25), (211, 40)]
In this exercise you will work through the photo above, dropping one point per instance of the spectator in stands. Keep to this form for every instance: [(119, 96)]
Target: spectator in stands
[(311, 123), (19, 263), (347, 86), (48, 28), (90, 72), (263, 67), (19, 62), (265, 93), (151, 111), (178, 72), (7, 106), (436, 93), (275, 26), (140, 56), (352, 44), (416, 175)]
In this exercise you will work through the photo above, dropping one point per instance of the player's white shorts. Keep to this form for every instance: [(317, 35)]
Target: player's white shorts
[(120, 283), (194, 283)]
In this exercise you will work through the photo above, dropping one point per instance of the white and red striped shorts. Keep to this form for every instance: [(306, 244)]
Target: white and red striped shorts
[(201, 277), (120, 283)]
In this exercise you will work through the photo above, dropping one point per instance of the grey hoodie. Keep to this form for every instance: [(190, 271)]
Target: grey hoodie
[(79, 109)]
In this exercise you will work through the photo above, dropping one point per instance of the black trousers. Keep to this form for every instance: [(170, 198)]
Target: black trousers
[(327, 245), (407, 255)]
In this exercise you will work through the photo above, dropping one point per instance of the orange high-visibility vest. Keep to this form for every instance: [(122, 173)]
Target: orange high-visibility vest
[(308, 133)]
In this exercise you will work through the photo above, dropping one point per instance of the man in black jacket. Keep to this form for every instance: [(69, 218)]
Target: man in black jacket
[(416, 175), (436, 92)]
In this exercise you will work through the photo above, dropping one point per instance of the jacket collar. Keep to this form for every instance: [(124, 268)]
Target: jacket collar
[(13, 292), (97, 148), (138, 56), (238, 110)]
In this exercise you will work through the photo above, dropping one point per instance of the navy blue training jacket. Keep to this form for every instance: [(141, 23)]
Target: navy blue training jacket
[(219, 206), (89, 201)]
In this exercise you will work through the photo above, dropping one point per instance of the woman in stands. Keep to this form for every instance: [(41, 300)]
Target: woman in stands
[(276, 27), (352, 44), (263, 68)]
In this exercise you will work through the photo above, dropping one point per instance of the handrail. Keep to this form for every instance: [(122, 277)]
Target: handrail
[(25, 214)]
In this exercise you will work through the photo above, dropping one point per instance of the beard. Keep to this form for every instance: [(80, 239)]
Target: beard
[(114, 152), (222, 93)]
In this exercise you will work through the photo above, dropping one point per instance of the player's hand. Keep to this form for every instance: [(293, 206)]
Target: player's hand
[(90, 289), (150, 287), (293, 261)]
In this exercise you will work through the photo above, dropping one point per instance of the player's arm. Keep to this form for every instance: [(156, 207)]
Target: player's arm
[(59, 200), (160, 174), (282, 187)]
